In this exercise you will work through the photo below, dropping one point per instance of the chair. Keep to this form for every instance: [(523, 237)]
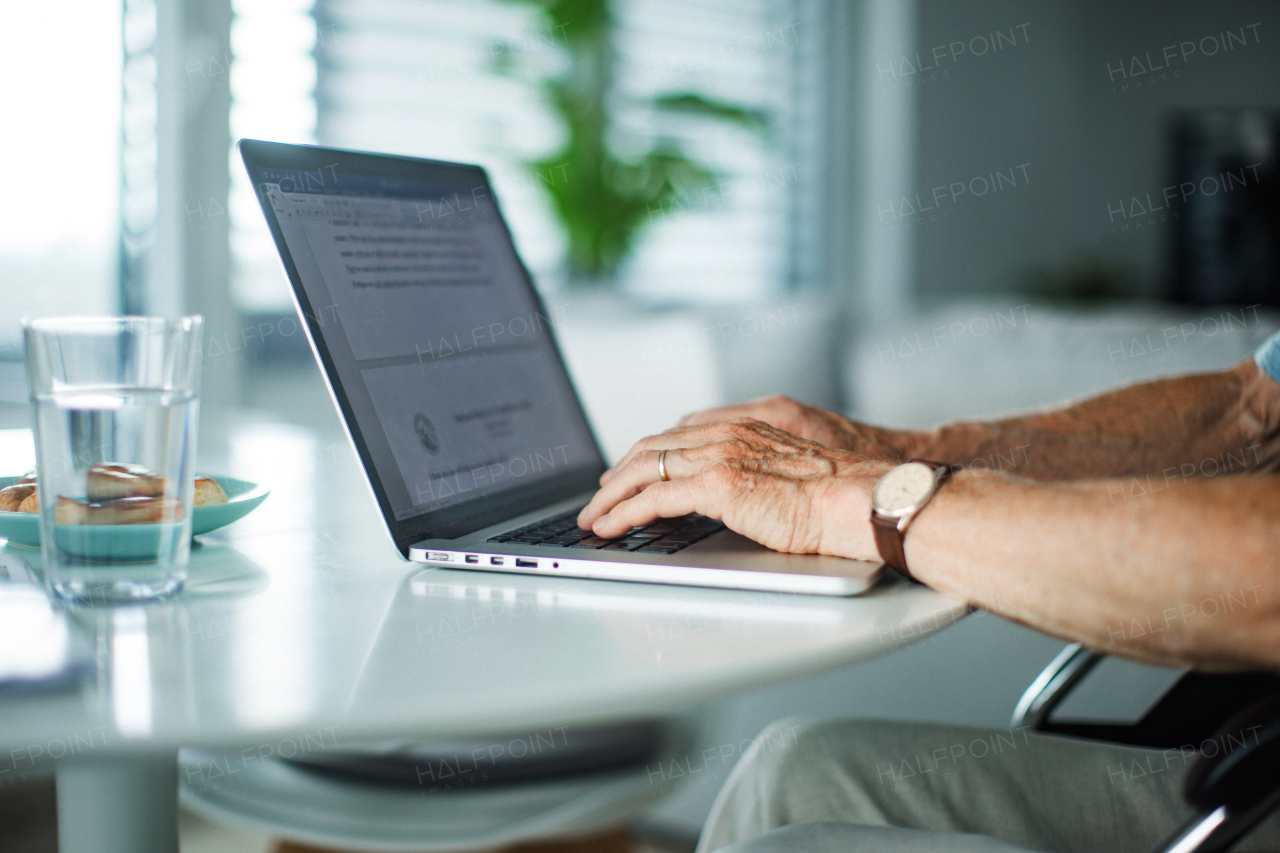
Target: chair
[(425, 796), (1196, 706), (446, 793), (1235, 790), (1232, 790)]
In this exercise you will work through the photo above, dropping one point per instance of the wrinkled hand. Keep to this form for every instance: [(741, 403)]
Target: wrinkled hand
[(785, 492), (815, 424)]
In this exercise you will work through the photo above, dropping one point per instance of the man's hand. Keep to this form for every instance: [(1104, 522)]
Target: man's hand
[(815, 424), (785, 492)]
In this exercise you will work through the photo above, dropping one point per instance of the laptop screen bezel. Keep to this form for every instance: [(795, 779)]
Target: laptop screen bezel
[(458, 519)]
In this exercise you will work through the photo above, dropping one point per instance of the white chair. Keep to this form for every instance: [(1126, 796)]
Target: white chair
[(414, 797), (423, 793)]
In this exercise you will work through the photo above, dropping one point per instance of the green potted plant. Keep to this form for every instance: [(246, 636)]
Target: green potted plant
[(601, 198)]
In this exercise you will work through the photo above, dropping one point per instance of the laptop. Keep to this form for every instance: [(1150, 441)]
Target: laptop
[(443, 364)]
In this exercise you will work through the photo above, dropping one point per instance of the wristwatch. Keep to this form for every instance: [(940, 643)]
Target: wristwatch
[(896, 499)]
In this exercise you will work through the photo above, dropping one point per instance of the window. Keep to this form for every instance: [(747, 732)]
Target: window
[(273, 78), (734, 241), (58, 223), (421, 78), (417, 78)]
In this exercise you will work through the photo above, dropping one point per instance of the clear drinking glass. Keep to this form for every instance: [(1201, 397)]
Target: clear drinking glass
[(116, 404)]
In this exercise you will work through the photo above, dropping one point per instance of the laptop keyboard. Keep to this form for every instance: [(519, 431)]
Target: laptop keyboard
[(664, 536)]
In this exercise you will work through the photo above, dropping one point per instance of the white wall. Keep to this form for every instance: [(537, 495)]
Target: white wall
[(1050, 102)]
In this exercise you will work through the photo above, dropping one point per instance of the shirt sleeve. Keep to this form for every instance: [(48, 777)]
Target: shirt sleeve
[(1267, 356)]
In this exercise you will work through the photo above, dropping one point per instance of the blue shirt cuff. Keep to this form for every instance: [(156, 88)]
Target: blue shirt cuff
[(1267, 356)]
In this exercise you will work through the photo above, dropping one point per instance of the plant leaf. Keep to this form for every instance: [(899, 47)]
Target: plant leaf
[(688, 103)]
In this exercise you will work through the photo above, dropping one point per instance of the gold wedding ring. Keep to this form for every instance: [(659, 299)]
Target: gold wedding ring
[(662, 466)]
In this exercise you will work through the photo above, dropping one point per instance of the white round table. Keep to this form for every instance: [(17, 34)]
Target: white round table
[(301, 627)]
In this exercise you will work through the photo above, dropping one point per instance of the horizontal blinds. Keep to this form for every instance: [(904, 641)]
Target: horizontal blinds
[(273, 79), (733, 240), (417, 77)]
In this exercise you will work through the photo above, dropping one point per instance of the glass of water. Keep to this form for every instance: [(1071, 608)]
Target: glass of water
[(116, 405)]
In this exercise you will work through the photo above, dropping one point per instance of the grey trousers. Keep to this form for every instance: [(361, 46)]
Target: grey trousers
[(838, 785)]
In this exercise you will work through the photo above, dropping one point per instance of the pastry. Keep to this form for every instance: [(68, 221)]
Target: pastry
[(118, 493), (138, 509), (12, 497), (208, 492), (108, 480)]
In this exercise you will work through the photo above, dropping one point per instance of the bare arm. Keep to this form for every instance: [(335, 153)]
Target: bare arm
[(1158, 566), (1186, 575), (1184, 572), (1196, 425)]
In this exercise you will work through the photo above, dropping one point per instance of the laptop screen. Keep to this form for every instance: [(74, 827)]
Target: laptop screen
[(439, 352)]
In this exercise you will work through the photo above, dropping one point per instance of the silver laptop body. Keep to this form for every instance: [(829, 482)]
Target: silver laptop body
[(443, 365)]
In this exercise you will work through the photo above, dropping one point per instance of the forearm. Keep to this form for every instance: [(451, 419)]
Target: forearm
[(1173, 570), (1184, 575), (1194, 425)]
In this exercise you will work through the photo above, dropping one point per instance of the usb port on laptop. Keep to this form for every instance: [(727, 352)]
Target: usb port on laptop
[(526, 564), (473, 558), (495, 561)]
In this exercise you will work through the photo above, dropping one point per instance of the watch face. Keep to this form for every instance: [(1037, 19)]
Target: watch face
[(902, 488)]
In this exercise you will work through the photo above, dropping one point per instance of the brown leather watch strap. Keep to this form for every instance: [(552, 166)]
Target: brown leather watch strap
[(889, 542), (891, 538)]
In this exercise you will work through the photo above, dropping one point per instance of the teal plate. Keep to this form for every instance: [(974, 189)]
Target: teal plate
[(117, 543), (23, 528)]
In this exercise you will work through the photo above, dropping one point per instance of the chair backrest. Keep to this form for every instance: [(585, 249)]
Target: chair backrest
[(1232, 720), (1193, 709), (1235, 787)]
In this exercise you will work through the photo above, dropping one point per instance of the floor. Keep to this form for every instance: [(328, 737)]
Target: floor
[(28, 824)]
